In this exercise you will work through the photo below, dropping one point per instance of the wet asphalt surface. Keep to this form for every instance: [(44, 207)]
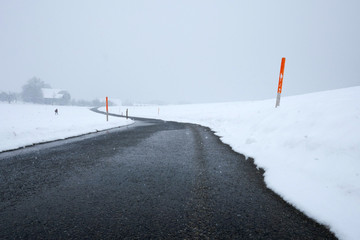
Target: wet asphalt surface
[(151, 180)]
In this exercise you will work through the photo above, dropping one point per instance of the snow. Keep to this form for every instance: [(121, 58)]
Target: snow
[(309, 148), (26, 124)]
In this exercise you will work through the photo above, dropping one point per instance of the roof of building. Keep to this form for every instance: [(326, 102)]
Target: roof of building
[(51, 93)]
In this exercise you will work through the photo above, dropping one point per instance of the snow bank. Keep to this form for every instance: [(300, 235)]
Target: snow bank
[(26, 124), (309, 148)]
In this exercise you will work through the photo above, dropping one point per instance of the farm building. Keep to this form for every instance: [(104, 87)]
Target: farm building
[(55, 96)]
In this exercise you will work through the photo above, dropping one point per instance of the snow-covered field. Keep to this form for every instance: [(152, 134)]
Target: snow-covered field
[(309, 148), (25, 124)]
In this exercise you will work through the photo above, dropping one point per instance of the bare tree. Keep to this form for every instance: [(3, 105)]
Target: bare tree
[(8, 97), (3, 96)]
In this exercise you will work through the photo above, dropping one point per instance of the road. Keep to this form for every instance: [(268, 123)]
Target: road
[(154, 179)]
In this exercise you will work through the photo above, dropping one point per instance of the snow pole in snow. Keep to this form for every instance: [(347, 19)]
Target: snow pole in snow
[(281, 77), (107, 109)]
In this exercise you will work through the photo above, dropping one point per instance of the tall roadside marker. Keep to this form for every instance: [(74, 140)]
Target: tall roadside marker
[(107, 109), (281, 77)]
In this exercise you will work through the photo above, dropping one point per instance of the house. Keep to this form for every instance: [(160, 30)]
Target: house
[(53, 96)]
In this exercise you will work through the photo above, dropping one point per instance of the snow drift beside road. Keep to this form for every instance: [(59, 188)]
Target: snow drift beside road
[(26, 124), (309, 148)]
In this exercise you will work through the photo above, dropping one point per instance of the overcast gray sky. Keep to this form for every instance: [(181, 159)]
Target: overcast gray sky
[(181, 50)]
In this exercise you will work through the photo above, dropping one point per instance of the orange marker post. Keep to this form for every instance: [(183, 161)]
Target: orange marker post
[(281, 77), (107, 109)]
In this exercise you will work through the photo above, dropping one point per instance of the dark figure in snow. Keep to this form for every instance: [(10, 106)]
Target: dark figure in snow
[(56, 112)]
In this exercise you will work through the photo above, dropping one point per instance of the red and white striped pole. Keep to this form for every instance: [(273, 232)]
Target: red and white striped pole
[(281, 77)]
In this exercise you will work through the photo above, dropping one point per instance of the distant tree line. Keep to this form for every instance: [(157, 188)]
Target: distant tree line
[(92, 103), (9, 97), (32, 92)]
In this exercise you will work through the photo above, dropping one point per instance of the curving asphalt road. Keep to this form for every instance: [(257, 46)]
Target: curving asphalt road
[(151, 180)]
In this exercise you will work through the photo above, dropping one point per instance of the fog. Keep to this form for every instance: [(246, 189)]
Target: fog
[(180, 51)]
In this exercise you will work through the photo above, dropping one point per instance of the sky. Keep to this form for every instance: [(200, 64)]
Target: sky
[(180, 51)]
